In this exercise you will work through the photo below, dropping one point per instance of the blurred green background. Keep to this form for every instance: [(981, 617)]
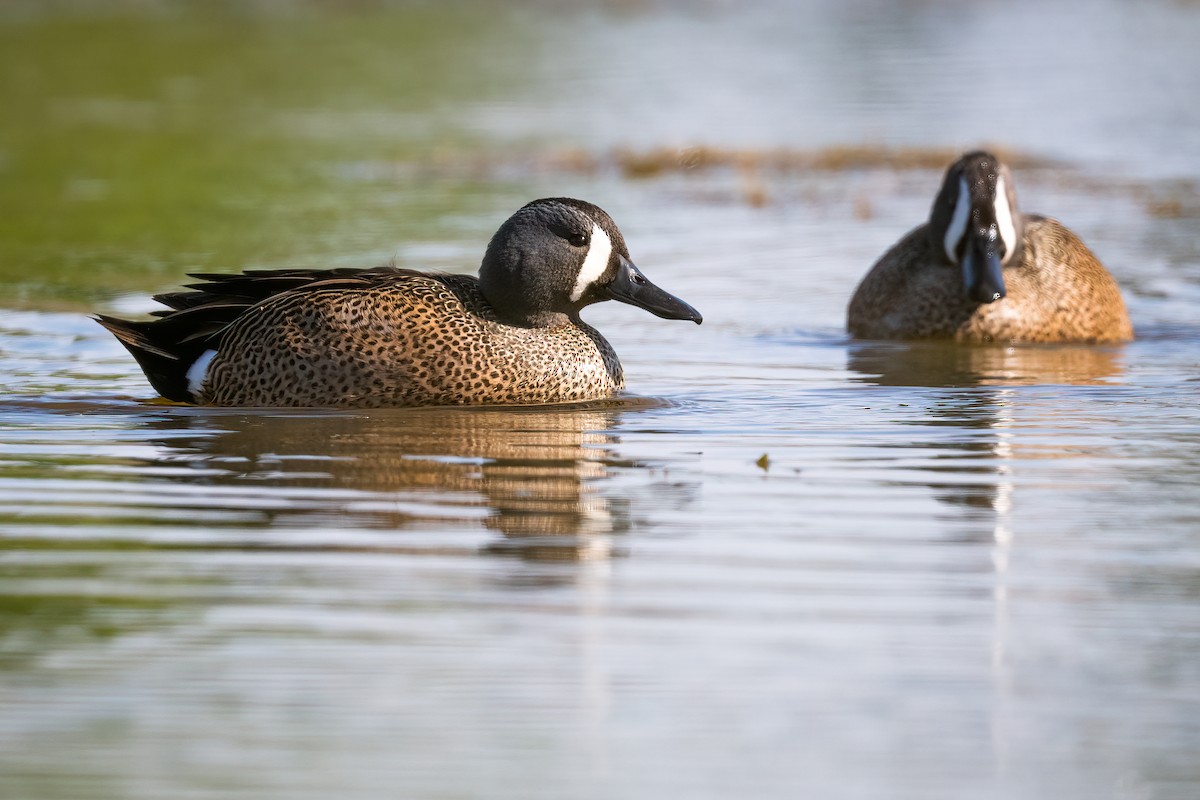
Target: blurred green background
[(143, 140)]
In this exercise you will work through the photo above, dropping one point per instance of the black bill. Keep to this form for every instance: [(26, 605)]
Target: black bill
[(983, 272), (630, 286)]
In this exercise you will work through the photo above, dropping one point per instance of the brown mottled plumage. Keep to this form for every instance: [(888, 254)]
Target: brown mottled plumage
[(403, 338), (393, 337), (1046, 286)]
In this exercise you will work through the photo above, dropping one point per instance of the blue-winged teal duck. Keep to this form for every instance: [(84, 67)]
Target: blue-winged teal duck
[(981, 271), (394, 337)]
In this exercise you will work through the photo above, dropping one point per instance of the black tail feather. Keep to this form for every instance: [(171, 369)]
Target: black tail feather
[(166, 347), (166, 371), (194, 321)]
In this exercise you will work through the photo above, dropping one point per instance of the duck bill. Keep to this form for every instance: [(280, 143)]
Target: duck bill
[(983, 273), (631, 286)]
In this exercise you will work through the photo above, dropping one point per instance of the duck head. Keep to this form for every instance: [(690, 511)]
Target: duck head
[(976, 225), (556, 256)]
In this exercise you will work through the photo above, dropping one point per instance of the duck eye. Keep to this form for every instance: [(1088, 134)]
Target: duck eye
[(577, 239)]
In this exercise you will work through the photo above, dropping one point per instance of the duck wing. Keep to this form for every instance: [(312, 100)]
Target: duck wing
[(195, 319)]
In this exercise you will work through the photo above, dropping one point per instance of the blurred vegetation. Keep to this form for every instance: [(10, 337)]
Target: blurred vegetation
[(144, 140)]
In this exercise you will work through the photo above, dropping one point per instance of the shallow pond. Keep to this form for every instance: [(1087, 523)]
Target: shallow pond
[(785, 564)]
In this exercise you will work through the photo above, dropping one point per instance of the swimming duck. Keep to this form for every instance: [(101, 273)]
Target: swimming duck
[(395, 337), (981, 271)]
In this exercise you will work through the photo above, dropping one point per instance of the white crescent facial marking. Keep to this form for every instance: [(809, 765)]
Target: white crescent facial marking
[(958, 222), (198, 371), (1004, 220), (599, 251)]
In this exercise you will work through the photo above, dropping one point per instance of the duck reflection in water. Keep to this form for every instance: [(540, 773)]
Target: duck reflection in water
[(975, 405), (935, 363), (533, 475)]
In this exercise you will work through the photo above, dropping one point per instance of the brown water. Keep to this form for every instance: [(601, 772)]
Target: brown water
[(786, 564)]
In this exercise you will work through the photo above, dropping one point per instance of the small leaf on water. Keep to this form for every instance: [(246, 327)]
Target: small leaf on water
[(764, 462)]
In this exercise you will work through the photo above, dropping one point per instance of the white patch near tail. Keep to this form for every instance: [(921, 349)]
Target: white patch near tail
[(958, 222), (1004, 220), (198, 371), (599, 252)]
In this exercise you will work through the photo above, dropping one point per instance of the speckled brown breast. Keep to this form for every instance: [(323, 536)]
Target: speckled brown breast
[(409, 340), (1057, 292)]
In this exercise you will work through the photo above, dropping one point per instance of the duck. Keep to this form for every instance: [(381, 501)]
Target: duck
[(387, 336), (980, 270)]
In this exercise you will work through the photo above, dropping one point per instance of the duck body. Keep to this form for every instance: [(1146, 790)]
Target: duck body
[(980, 271), (394, 337), (382, 337)]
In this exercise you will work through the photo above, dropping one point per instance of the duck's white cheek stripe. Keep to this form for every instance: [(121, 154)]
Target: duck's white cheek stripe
[(198, 371), (596, 262), (1004, 220), (958, 222)]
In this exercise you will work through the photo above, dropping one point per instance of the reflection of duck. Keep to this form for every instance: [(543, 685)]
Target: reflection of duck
[(973, 394), (946, 364), (391, 337), (536, 473), (981, 271)]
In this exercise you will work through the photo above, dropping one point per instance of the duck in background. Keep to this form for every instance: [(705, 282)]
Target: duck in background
[(982, 271)]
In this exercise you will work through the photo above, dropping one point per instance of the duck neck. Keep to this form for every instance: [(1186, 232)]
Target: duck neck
[(537, 319)]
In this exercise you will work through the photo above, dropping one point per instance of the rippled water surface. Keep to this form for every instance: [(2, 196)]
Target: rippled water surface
[(785, 564)]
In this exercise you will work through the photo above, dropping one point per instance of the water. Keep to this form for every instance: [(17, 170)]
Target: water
[(786, 564)]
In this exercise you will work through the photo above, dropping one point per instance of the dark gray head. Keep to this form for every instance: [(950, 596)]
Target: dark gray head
[(557, 255), (976, 225)]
